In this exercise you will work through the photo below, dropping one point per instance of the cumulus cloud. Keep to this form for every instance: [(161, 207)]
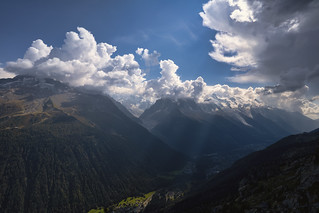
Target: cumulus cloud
[(238, 50), (275, 40), (170, 84), (82, 62), (235, 97), (37, 51), (4, 74), (150, 59)]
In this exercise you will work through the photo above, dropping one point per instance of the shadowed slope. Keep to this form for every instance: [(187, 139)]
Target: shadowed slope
[(64, 150)]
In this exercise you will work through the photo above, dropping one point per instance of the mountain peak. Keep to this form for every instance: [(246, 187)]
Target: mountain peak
[(79, 147), (34, 85), (203, 128)]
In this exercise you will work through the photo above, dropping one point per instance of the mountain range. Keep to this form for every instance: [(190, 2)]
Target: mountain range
[(66, 150), (198, 128)]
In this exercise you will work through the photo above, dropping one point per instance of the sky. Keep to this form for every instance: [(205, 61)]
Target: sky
[(232, 52), (173, 28)]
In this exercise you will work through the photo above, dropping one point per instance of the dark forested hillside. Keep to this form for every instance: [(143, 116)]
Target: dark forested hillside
[(282, 178), (64, 150)]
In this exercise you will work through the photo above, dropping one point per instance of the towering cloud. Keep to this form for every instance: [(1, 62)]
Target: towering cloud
[(82, 62), (275, 41)]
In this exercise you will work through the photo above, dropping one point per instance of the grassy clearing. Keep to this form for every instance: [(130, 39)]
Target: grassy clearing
[(128, 202)]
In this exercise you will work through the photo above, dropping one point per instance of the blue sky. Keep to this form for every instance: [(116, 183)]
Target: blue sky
[(173, 28)]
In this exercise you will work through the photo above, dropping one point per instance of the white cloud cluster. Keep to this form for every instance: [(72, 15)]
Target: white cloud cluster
[(243, 12), (150, 59), (230, 18), (81, 61), (233, 50), (276, 41), (170, 84), (5, 74), (234, 97), (37, 51)]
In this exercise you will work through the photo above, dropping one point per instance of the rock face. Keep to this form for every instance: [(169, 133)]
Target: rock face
[(66, 150), (282, 178), (197, 129)]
